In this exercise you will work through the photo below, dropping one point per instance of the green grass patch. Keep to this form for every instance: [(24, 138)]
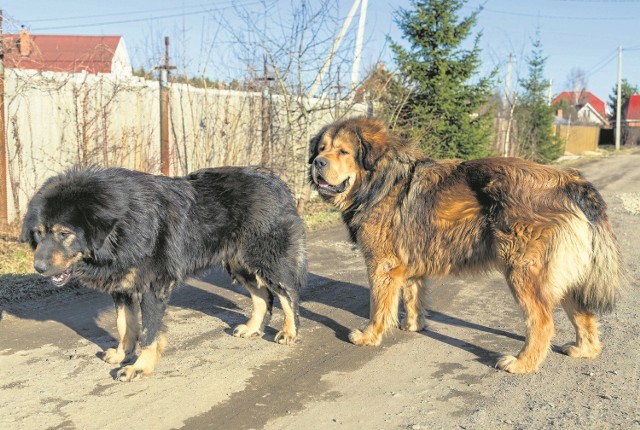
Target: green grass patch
[(318, 214)]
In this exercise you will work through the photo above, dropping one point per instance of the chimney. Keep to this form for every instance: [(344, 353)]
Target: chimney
[(25, 42)]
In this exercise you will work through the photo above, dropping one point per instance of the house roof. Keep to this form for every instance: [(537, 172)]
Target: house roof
[(58, 53), (633, 108), (582, 98)]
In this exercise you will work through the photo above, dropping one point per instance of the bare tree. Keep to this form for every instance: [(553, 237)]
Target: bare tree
[(295, 45), (577, 81)]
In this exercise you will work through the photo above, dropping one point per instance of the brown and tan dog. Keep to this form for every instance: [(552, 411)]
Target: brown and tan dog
[(415, 218)]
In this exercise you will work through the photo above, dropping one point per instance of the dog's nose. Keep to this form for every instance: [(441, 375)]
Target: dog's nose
[(320, 162), (40, 266)]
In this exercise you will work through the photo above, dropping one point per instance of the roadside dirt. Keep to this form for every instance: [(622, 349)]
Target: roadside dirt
[(51, 376)]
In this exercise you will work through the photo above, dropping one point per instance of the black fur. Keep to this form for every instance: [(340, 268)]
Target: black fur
[(136, 235)]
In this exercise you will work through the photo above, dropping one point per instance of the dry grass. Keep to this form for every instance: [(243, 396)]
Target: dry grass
[(15, 257)]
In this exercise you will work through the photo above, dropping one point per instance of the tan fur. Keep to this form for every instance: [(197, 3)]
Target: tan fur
[(146, 362), (287, 335), (129, 280), (128, 328), (253, 327), (416, 219)]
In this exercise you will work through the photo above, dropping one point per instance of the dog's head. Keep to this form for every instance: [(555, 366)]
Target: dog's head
[(343, 153), (69, 221)]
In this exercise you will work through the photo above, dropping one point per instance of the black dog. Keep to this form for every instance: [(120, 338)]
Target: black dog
[(135, 235)]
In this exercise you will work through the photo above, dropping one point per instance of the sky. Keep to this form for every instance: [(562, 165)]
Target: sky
[(576, 34)]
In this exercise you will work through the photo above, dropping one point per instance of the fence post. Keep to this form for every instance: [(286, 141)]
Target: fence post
[(266, 117), (164, 110)]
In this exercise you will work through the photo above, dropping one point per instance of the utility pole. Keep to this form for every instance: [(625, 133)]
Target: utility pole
[(619, 102), (164, 109), (358, 51), (266, 116), (510, 103), (4, 197), (507, 83), (334, 48)]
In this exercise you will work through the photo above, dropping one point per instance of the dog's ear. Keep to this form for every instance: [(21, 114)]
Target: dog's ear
[(101, 215), (30, 221), (101, 240), (314, 142), (374, 141)]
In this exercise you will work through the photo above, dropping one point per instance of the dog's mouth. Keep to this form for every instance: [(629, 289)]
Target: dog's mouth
[(326, 188), (61, 279)]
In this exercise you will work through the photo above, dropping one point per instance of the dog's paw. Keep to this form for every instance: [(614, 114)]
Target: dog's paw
[(131, 373), (284, 338), (414, 325), (245, 332), (511, 364), (114, 356), (586, 351), (364, 339)]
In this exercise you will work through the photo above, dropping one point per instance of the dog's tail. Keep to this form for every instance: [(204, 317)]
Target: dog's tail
[(606, 274)]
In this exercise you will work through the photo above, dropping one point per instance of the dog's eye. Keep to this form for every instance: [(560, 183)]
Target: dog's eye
[(64, 234), (343, 152)]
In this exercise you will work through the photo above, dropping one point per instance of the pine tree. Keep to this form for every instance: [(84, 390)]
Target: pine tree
[(534, 117), (626, 91), (445, 112)]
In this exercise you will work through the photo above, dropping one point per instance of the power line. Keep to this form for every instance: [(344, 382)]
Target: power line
[(105, 15), (563, 17), (601, 64), (149, 18), (600, 1)]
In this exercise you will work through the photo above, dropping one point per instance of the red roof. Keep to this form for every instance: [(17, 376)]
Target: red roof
[(582, 98), (93, 54), (633, 108)]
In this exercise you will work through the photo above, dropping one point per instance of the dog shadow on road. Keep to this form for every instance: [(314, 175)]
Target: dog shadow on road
[(73, 306), (484, 355), (346, 307), (91, 314), (215, 295), (345, 296)]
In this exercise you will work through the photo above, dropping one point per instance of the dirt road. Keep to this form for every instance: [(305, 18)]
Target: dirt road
[(51, 376)]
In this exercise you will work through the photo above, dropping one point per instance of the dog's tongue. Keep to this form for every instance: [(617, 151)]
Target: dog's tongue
[(322, 183)]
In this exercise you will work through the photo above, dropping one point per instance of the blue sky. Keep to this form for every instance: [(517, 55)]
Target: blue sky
[(583, 34)]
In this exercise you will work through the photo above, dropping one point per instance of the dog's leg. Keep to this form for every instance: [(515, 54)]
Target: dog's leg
[(385, 282), (414, 296), (128, 328), (262, 304), (537, 307), (587, 344), (152, 338), (289, 302)]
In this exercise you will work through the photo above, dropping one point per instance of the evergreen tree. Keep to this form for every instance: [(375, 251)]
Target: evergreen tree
[(626, 91), (534, 117), (445, 112)]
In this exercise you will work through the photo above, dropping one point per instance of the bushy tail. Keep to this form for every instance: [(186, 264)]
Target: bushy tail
[(606, 274)]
